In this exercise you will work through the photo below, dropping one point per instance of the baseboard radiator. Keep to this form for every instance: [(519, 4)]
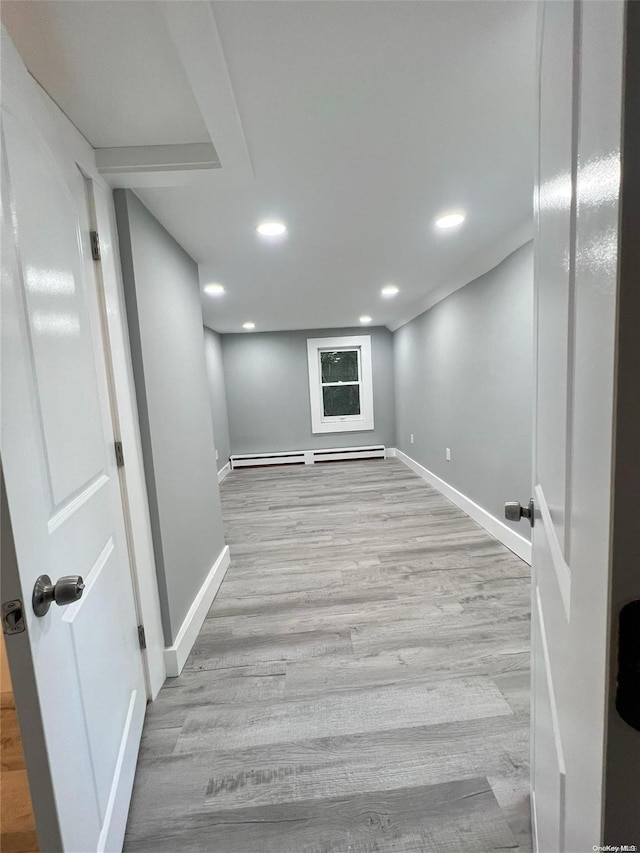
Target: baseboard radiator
[(307, 457)]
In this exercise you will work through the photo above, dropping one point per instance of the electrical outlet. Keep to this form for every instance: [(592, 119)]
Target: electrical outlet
[(447, 454), (411, 438), (216, 455)]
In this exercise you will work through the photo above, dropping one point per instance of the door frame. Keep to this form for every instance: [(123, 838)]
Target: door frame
[(66, 142), (126, 429)]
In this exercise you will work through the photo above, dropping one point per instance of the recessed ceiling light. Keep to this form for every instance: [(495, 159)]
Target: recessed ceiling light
[(214, 289), (450, 220), (271, 229), (249, 326), (365, 319), (389, 290)]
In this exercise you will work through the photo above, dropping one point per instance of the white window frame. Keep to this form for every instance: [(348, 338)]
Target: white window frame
[(344, 423)]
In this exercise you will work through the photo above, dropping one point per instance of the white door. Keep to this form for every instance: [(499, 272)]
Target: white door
[(63, 497), (577, 234)]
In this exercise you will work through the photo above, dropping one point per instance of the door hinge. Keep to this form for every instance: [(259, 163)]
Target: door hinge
[(119, 454), (141, 637), (95, 246)]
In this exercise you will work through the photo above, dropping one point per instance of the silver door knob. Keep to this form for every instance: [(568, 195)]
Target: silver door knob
[(67, 590), (514, 511)]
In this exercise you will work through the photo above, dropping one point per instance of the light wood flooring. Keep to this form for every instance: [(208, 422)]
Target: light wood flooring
[(17, 823), (360, 684)]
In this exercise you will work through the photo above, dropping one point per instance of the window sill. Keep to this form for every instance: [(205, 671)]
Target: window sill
[(343, 426)]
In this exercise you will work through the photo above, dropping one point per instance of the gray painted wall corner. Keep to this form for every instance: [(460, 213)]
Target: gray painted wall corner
[(267, 383), (218, 393), (164, 311), (464, 380)]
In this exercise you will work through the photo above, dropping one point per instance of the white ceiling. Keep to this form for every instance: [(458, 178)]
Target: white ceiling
[(355, 122), (110, 66)]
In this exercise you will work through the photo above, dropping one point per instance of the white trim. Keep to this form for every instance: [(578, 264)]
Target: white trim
[(271, 459), (307, 457), (349, 423), (316, 450), (555, 722), (176, 655), (74, 505), (127, 430), (514, 541), (562, 570), (222, 473), (194, 32), (115, 819), (338, 456), (156, 158)]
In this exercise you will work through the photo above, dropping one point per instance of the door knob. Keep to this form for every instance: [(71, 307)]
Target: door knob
[(514, 511), (67, 590)]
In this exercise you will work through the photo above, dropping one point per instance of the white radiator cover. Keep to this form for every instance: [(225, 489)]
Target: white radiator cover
[(307, 457)]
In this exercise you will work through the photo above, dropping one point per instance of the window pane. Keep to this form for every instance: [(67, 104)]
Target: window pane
[(340, 366), (341, 400)]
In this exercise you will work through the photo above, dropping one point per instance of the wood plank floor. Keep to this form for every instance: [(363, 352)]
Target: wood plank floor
[(17, 821), (360, 684)]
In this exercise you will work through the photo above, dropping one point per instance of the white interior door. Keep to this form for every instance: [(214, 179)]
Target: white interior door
[(577, 209), (63, 495)]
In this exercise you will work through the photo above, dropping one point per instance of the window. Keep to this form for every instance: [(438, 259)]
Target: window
[(340, 383)]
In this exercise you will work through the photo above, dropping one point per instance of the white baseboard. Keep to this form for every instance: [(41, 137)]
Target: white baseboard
[(176, 655), (514, 541), (222, 473), (391, 452)]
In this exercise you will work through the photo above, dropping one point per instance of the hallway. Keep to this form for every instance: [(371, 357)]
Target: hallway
[(360, 684)]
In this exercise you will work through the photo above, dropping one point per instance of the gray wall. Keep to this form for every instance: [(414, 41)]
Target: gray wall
[(167, 345), (267, 383), (218, 394), (464, 380)]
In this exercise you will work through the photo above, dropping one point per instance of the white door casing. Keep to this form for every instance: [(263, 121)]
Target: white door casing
[(63, 492), (132, 475), (577, 213)]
